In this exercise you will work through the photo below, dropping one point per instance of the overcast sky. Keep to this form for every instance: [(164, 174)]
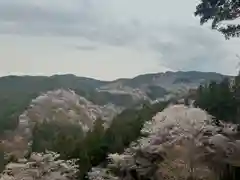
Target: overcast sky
[(108, 39)]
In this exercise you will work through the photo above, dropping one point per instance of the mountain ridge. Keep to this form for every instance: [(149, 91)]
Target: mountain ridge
[(17, 92), (37, 112), (89, 87), (117, 79)]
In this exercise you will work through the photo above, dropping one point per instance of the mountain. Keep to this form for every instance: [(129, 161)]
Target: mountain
[(62, 108), (160, 86), (17, 92), (165, 82), (83, 117), (179, 143), (147, 86)]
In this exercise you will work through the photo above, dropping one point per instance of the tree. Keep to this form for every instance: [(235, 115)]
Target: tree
[(219, 100), (219, 11), (171, 148), (236, 91), (2, 159), (92, 147)]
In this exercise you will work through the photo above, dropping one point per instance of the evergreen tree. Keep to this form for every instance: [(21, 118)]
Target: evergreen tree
[(92, 148), (236, 91), (220, 99)]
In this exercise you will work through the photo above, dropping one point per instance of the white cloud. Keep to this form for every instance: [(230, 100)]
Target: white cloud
[(150, 35), (54, 55)]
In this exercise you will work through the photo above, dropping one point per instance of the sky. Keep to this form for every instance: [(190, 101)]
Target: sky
[(109, 39)]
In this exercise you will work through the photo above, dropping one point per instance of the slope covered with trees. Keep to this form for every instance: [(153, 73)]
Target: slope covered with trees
[(16, 92), (11, 106), (221, 99), (92, 148), (179, 143)]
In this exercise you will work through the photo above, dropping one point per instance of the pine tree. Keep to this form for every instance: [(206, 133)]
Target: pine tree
[(236, 91)]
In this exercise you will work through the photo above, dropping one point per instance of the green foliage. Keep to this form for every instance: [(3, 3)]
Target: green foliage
[(17, 92), (156, 92), (2, 160), (97, 143), (103, 98), (182, 80), (220, 100), (57, 137), (125, 128), (11, 106), (219, 11)]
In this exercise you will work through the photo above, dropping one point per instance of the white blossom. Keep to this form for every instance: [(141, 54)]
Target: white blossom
[(41, 166), (176, 145)]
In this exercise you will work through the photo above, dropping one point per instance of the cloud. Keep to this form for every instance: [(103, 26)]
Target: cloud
[(85, 48), (84, 18), (170, 33), (192, 47), (39, 17)]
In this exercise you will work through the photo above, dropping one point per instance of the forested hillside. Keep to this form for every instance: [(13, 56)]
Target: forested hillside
[(16, 92), (221, 99), (93, 148)]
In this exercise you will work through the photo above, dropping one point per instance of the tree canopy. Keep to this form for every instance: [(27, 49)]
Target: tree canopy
[(221, 100), (93, 147), (220, 11)]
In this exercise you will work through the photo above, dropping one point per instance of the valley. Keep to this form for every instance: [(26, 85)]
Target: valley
[(96, 123)]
